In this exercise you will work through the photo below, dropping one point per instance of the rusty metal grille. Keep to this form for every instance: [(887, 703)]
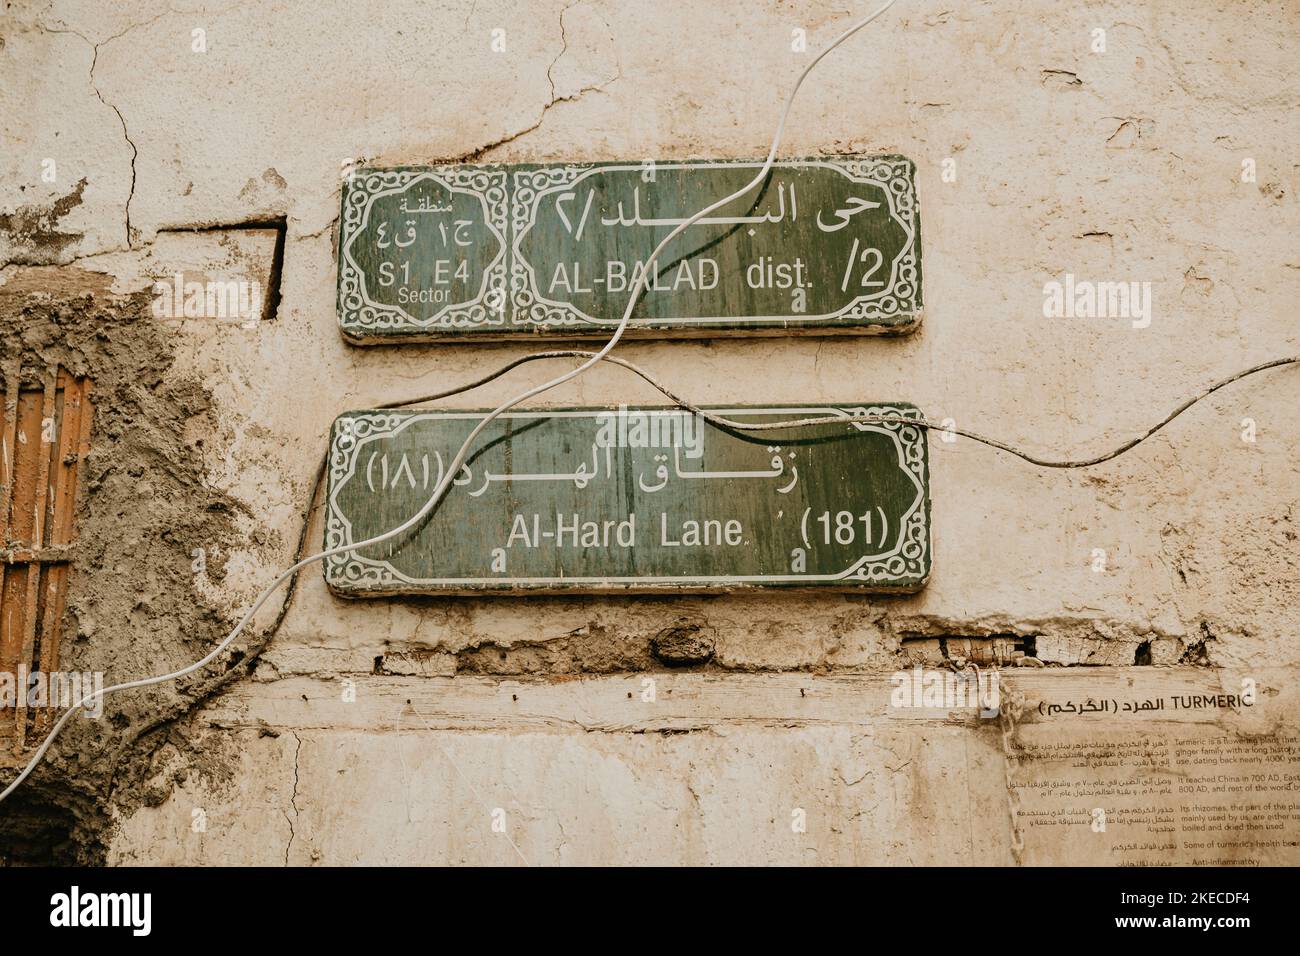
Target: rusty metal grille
[(45, 437)]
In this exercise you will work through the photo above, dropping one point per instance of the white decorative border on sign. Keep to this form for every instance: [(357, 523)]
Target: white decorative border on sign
[(358, 313), (354, 573), (898, 297)]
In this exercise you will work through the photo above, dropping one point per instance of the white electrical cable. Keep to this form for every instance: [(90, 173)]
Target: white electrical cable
[(638, 287), (915, 421)]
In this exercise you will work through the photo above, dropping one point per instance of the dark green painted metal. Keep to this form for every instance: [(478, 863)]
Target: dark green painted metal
[(630, 499), (829, 244)]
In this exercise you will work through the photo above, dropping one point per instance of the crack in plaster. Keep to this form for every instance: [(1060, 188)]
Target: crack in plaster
[(476, 154), (293, 798), (94, 63)]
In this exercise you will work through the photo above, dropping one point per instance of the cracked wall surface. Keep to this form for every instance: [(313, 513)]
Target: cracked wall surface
[(1122, 165)]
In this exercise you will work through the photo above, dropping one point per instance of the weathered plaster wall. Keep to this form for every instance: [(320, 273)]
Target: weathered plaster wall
[(1122, 165)]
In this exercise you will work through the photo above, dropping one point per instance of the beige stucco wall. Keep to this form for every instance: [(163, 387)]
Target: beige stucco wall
[(1118, 165)]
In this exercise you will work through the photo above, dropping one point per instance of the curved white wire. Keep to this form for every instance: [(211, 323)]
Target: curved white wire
[(638, 287)]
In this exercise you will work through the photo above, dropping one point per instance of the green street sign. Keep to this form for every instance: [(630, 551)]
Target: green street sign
[(444, 253), (631, 499)]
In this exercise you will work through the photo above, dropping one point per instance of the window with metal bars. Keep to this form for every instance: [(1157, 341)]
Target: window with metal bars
[(45, 437)]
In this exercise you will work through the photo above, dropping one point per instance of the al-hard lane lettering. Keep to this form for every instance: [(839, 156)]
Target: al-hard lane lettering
[(631, 499)]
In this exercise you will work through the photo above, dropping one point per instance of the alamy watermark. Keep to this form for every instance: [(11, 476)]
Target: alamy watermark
[(942, 689), (56, 690), (133, 911), (666, 428), (231, 300), (1074, 298)]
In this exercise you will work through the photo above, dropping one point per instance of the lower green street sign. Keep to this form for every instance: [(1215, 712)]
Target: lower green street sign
[(491, 252), (640, 499)]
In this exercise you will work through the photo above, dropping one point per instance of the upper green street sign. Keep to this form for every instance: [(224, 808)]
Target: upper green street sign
[(492, 252), (631, 499)]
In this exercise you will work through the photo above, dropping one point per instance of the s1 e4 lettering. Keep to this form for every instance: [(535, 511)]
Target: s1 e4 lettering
[(473, 253)]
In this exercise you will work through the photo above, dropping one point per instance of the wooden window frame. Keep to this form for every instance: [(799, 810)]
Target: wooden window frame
[(45, 437)]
